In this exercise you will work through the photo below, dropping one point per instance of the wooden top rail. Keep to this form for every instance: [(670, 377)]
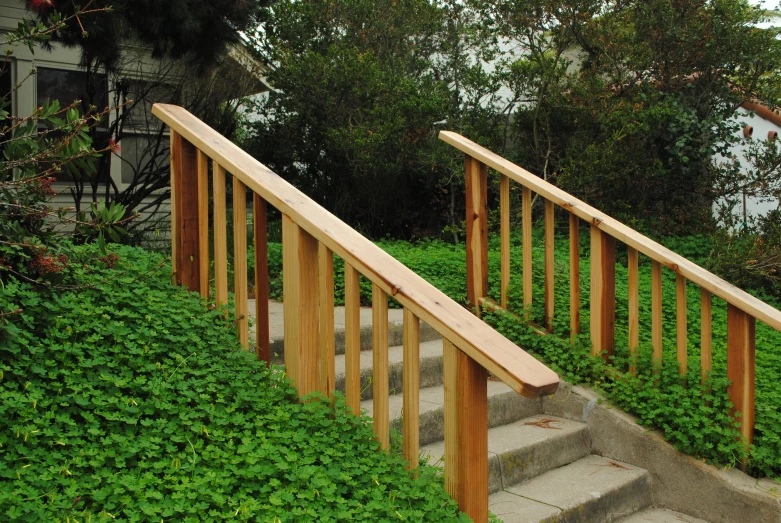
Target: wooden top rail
[(691, 271), (490, 349)]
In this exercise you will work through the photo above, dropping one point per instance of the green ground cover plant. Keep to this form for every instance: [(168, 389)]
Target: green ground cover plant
[(127, 399), (693, 417)]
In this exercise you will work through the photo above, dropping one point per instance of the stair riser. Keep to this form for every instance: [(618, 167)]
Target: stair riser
[(431, 373), (395, 338), (528, 462), (609, 507)]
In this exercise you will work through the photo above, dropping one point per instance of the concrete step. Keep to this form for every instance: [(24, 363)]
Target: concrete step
[(395, 328), (591, 490), (504, 406), (526, 448), (660, 515)]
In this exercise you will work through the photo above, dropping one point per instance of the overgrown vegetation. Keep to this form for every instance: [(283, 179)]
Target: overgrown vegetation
[(128, 400)]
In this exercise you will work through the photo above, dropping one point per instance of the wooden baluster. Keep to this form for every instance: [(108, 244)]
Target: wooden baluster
[(175, 214), (574, 276), (741, 359), (380, 365), (681, 327), (203, 223), (220, 236), (634, 309), (240, 260), (411, 389), (262, 330), (472, 437), (504, 211), (706, 336), (299, 264), (352, 338), (476, 232), (185, 169), (450, 383), (549, 264), (656, 311), (526, 228), (326, 342), (603, 292)]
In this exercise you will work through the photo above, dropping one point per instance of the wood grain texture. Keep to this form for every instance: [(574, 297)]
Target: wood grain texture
[(706, 333), (220, 236), (352, 338), (380, 366), (574, 276), (634, 307), (504, 212), (188, 263), (741, 365), (411, 390), (326, 342), (472, 438), (299, 263), (262, 329), (203, 223), (656, 311), (240, 284), (691, 271), (175, 223), (476, 232), (519, 370), (526, 231), (550, 270), (681, 326), (603, 293), (450, 382)]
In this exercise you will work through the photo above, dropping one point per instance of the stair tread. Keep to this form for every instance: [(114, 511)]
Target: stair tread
[(591, 489), (660, 515), (428, 349)]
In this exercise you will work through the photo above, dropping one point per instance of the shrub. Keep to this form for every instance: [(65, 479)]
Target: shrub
[(128, 400)]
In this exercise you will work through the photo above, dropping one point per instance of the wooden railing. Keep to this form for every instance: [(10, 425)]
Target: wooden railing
[(742, 308), (310, 238)]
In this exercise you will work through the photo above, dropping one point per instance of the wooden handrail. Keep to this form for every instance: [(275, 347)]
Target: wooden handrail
[(522, 372), (675, 262)]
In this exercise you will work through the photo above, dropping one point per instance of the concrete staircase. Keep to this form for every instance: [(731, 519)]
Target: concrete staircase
[(541, 468)]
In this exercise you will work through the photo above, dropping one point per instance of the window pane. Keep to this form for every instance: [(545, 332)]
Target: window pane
[(143, 154), (138, 115), (67, 86)]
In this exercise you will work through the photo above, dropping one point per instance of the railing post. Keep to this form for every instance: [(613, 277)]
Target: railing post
[(741, 360), (476, 232), (299, 263), (603, 292), (472, 437), (185, 229)]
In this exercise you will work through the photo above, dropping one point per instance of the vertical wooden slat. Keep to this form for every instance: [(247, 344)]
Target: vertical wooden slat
[(380, 366), (706, 333), (262, 331), (299, 264), (526, 229), (203, 222), (450, 382), (476, 231), (352, 338), (326, 342), (184, 155), (472, 437), (240, 260), (549, 264), (656, 311), (411, 389), (741, 363), (634, 308), (504, 211), (175, 185), (681, 327), (220, 236), (574, 276), (603, 292)]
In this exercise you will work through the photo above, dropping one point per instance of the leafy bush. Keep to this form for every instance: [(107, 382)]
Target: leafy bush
[(128, 400)]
